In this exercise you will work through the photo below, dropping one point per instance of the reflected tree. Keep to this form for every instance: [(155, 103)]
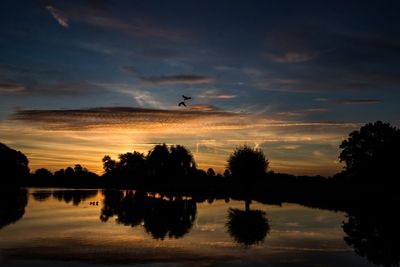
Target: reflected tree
[(374, 233), (74, 196), (111, 204), (12, 205), (41, 195), (172, 218), (248, 227), (161, 217)]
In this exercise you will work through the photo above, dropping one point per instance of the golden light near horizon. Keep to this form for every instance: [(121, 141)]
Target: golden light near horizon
[(56, 140)]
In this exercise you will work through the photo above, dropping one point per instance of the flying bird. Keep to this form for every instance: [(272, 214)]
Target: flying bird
[(186, 97), (182, 104)]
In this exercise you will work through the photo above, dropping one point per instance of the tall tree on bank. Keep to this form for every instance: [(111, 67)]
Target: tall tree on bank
[(13, 165), (372, 152)]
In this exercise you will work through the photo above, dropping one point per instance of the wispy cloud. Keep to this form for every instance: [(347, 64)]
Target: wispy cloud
[(359, 101), (292, 57), (177, 79), (215, 94), (7, 88), (58, 16), (135, 25), (203, 108), (168, 79)]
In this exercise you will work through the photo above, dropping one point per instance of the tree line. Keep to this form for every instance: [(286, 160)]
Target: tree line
[(369, 154)]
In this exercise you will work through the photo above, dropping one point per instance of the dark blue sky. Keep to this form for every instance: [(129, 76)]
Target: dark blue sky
[(304, 63)]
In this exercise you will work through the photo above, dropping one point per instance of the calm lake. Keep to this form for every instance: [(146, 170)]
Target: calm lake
[(54, 227)]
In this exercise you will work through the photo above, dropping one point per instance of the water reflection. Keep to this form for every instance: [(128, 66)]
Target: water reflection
[(41, 195), (161, 216), (247, 227), (374, 233), (12, 205), (74, 196), (371, 229)]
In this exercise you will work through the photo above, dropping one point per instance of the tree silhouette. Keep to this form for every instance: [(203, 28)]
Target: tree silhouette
[(109, 165), (132, 164), (210, 172), (247, 227), (13, 165), (157, 160), (247, 163), (43, 173), (181, 160), (371, 151)]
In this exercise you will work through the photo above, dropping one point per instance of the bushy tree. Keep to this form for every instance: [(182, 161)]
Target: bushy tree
[(109, 165), (180, 160), (43, 173), (374, 150), (157, 160), (132, 164), (246, 162), (13, 165)]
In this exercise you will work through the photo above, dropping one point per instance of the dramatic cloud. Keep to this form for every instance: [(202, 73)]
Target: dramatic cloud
[(7, 88), (57, 15), (99, 117)]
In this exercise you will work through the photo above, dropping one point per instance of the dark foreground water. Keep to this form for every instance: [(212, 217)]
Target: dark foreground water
[(53, 227)]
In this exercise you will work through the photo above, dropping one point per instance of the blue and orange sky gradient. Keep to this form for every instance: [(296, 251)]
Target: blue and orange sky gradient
[(84, 79)]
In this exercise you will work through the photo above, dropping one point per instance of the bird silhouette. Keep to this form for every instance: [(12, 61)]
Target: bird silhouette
[(182, 104), (186, 97)]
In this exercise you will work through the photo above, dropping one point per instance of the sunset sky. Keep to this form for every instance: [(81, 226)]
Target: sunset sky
[(84, 79)]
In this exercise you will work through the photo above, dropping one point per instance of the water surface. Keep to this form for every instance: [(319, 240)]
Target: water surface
[(107, 228)]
